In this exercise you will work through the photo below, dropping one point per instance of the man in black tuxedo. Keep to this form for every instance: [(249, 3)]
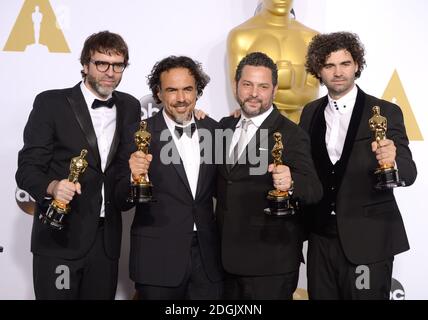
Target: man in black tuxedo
[(174, 240), (261, 253), (80, 261), (355, 231)]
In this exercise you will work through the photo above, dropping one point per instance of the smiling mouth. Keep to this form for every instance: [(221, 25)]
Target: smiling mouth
[(181, 105), (108, 82), (181, 109), (253, 101)]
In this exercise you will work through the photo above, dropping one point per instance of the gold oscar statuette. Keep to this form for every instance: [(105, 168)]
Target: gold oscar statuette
[(279, 201), (57, 211), (386, 175), (273, 31), (141, 188)]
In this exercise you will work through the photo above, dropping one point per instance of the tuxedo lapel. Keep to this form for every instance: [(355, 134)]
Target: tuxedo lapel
[(158, 127), (81, 112), (120, 109), (317, 132), (354, 124), (363, 131), (204, 145), (230, 124)]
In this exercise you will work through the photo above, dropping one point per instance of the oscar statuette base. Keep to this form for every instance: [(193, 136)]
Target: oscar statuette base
[(279, 204), (140, 193), (387, 179)]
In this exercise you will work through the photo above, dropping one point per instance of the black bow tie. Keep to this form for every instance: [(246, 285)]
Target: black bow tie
[(100, 103), (189, 130)]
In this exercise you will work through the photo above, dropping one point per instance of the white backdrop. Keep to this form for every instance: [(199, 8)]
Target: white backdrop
[(393, 32)]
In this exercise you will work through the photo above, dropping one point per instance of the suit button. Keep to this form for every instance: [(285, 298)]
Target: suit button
[(333, 172), (333, 188), (229, 182), (333, 204)]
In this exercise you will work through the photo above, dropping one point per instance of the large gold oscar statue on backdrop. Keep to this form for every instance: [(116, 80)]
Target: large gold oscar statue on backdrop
[(285, 40)]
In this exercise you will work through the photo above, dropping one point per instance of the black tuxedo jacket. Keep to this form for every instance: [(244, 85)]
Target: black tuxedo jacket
[(253, 243), (162, 231), (369, 222), (58, 128)]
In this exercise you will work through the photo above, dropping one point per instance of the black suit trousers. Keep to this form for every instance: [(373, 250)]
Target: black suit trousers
[(332, 277), (195, 285), (93, 277), (271, 287)]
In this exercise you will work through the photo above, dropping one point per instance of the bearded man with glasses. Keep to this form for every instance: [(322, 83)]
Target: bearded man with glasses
[(81, 260)]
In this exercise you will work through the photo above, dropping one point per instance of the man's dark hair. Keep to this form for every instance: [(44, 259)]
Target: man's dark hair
[(103, 42), (257, 59), (323, 45), (172, 62)]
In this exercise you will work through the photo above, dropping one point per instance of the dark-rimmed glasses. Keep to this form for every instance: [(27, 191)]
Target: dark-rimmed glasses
[(103, 66)]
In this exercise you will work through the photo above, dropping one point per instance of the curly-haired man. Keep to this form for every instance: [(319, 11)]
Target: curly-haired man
[(355, 230)]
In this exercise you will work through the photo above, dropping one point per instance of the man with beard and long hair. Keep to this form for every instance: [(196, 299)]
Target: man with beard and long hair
[(62, 123), (175, 250), (261, 254)]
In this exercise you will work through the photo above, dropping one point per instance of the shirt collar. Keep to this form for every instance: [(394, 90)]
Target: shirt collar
[(171, 123), (257, 120), (344, 104), (89, 95)]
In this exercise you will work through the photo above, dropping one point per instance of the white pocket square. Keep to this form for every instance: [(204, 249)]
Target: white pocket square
[(263, 149)]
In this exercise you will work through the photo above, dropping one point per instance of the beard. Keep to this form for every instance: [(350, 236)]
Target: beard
[(336, 90), (251, 112), (102, 91), (181, 118)]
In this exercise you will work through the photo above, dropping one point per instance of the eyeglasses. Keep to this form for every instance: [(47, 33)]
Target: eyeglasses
[(103, 66)]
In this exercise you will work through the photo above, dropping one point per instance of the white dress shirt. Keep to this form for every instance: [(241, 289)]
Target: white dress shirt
[(189, 150), (255, 124), (104, 122), (337, 117)]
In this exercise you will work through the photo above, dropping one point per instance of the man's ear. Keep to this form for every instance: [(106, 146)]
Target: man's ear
[(275, 90), (86, 69), (158, 94)]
